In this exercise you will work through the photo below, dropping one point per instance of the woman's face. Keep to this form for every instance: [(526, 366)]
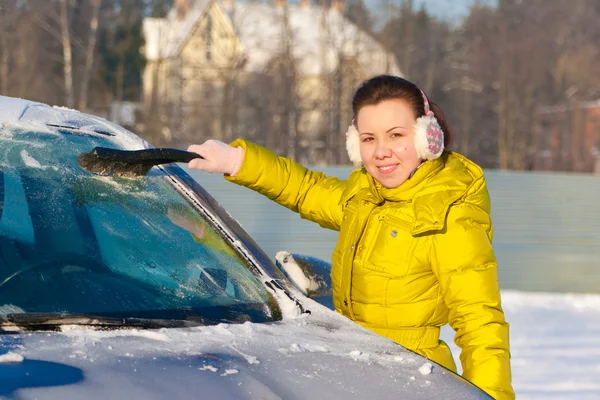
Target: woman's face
[(387, 144)]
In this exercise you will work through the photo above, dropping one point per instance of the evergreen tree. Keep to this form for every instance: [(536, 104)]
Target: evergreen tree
[(122, 61)]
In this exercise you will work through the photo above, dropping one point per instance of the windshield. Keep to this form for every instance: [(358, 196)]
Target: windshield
[(78, 243)]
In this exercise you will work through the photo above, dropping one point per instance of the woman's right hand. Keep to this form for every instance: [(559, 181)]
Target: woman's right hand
[(219, 157)]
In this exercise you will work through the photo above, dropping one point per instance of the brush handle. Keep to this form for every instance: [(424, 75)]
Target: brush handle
[(153, 155)]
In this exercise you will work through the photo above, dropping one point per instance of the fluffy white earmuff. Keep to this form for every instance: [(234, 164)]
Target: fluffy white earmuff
[(429, 137), (353, 145)]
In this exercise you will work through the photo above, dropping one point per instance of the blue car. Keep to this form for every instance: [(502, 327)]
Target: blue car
[(144, 287)]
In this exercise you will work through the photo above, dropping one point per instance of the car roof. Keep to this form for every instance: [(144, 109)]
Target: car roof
[(42, 117)]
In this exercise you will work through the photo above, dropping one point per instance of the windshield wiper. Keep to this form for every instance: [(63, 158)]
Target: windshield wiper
[(53, 321), (83, 130)]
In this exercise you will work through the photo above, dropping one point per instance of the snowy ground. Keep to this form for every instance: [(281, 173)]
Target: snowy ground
[(555, 343)]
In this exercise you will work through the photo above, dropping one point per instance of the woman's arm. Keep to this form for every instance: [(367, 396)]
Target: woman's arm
[(464, 262), (312, 194)]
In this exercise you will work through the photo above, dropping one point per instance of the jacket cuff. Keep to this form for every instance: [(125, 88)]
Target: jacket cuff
[(240, 152), (249, 169)]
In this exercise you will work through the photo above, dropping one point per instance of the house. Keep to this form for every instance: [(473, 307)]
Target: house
[(191, 55), (567, 138), (276, 73)]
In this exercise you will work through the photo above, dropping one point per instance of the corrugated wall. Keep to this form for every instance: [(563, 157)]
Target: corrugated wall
[(547, 227), (547, 230)]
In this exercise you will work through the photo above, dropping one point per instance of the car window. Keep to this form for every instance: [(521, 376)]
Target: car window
[(76, 242)]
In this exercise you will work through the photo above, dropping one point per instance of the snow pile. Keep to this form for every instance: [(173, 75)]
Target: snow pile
[(426, 369), (11, 357)]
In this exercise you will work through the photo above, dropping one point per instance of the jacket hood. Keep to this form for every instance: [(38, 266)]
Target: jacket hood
[(433, 188)]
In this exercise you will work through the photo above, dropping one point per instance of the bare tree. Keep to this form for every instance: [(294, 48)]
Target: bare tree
[(67, 54), (4, 51), (89, 55)]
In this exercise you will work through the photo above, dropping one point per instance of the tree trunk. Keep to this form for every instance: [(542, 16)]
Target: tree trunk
[(467, 122), (67, 56), (89, 56), (407, 57), (503, 94), (119, 97), (3, 52)]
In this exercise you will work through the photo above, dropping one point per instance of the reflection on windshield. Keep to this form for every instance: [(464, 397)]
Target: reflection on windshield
[(73, 242)]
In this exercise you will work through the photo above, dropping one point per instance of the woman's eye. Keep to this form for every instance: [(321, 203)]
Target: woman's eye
[(396, 135), (367, 139)]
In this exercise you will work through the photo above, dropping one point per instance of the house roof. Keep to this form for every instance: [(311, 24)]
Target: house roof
[(165, 37), (316, 36)]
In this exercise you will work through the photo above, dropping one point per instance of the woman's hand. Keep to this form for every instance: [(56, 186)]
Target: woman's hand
[(219, 157)]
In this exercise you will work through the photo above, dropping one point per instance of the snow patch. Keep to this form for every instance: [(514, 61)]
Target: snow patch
[(288, 307), (30, 161), (311, 348), (11, 357), (358, 355), (426, 369), (208, 368), (296, 348), (119, 187), (315, 348), (76, 331), (250, 359), (230, 372)]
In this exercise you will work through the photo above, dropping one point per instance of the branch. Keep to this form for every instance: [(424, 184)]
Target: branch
[(44, 25)]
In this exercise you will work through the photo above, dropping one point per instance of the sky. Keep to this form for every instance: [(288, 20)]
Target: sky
[(449, 10)]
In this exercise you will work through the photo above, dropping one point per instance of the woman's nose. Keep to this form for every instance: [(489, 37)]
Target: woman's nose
[(382, 150)]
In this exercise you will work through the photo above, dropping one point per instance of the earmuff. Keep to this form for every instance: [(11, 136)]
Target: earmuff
[(429, 137)]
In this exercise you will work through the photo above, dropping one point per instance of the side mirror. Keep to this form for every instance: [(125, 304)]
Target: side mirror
[(310, 275)]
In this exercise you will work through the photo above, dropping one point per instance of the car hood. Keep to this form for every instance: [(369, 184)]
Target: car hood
[(307, 357)]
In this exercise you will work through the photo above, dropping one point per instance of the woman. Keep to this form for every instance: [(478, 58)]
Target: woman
[(414, 250)]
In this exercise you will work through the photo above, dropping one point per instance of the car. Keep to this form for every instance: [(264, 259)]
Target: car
[(145, 287)]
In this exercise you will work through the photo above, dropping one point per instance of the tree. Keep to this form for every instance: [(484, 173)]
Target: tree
[(121, 59), (89, 54), (360, 15), (67, 55)]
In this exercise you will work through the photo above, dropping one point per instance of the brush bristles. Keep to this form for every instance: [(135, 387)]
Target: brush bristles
[(108, 166)]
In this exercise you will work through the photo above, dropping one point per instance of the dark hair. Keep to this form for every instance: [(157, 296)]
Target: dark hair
[(388, 87)]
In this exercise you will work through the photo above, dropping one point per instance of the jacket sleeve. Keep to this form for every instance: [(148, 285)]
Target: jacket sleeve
[(312, 194), (466, 267)]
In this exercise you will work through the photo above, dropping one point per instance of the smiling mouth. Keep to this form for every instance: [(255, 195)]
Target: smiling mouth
[(387, 168)]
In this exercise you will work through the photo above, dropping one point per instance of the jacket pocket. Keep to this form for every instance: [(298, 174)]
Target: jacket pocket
[(390, 248)]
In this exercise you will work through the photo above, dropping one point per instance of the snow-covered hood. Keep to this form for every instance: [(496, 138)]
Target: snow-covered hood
[(321, 355)]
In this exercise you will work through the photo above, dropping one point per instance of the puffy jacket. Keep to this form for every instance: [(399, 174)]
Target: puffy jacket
[(408, 260)]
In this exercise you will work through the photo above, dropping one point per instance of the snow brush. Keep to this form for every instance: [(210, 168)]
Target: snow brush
[(130, 163)]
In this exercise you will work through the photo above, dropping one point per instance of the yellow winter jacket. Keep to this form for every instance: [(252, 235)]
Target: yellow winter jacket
[(408, 260)]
